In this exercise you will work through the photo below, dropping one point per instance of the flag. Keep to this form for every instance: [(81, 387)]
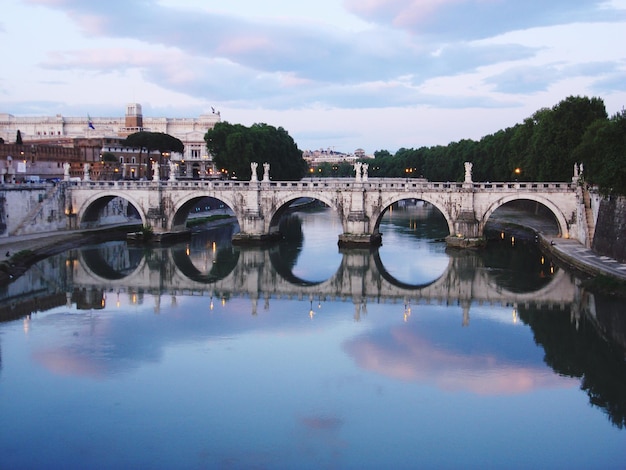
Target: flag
[(90, 122)]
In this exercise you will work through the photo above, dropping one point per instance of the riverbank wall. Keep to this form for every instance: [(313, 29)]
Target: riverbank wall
[(610, 232), (32, 208)]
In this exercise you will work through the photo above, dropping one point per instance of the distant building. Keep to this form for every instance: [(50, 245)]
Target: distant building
[(317, 157), (95, 136)]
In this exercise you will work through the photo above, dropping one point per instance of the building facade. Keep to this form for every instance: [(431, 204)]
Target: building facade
[(99, 135)]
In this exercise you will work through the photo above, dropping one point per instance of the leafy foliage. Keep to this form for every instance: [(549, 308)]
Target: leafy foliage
[(235, 146), (603, 149), (151, 141), (109, 157), (544, 147)]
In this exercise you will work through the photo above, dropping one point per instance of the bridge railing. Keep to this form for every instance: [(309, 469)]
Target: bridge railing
[(401, 184)]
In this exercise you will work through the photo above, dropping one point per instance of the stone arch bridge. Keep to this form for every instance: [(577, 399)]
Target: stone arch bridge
[(360, 205)]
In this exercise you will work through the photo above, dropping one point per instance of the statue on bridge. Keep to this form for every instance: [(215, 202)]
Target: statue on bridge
[(66, 171), (253, 167), (86, 168), (155, 171), (172, 170), (365, 167), (468, 172), (266, 171), (357, 168)]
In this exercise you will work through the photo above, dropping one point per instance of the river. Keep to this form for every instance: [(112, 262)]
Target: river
[(299, 355)]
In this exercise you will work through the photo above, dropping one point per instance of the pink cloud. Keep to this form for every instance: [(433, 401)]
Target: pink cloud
[(412, 358), (243, 45), (398, 12)]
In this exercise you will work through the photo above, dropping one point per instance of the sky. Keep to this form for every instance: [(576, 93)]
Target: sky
[(335, 74)]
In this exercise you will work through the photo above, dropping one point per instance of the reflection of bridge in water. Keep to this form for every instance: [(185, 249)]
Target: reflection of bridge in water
[(361, 278)]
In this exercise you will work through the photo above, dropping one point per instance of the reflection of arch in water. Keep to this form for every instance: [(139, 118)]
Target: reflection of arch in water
[(95, 264), (560, 277), (359, 277), (285, 271), (225, 262), (403, 285)]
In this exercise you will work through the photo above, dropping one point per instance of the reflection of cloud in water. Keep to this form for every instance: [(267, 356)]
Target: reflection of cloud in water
[(68, 362), (406, 354), (113, 342)]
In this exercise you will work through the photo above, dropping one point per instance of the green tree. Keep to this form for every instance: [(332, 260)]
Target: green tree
[(235, 146), (603, 154), (559, 131), (151, 141), (109, 157)]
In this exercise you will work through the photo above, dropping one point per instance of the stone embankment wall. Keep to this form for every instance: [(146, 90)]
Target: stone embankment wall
[(610, 231), (26, 209)]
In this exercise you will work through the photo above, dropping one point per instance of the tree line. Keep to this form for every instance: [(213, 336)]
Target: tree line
[(544, 147)]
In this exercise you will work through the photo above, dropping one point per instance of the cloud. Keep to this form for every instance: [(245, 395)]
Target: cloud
[(475, 19), (378, 56), (424, 356)]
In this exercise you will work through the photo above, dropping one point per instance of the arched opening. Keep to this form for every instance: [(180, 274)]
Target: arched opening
[(521, 219), (203, 213), (109, 210), (413, 251)]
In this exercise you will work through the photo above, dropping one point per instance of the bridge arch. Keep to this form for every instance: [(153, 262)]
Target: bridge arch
[(181, 208), (281, 206), (91, 209), (558, 214), (387, 202)]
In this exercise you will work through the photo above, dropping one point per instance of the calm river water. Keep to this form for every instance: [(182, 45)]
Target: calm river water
[(201, 355)]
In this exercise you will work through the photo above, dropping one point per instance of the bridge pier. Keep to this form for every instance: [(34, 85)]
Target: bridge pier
[(357, 233), (467, 232)]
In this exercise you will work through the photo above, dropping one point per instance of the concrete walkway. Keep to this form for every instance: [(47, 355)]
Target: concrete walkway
[(41, 241), (575, 254)]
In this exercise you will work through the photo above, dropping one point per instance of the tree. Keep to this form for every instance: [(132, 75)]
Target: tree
[(109, 157), (542, 148), (603, 153), (558, 133), (235, 146), (151, 141)]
